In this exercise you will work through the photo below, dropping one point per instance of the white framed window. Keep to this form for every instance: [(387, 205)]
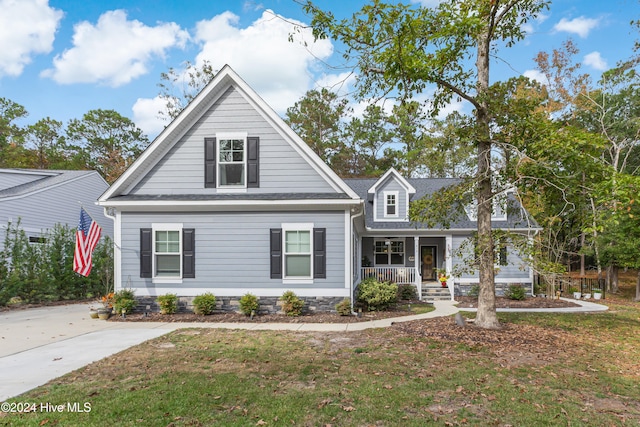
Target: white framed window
[(167, 251), (231, 153), (389, 252), (390, 204), (498, 209), (297, 251)]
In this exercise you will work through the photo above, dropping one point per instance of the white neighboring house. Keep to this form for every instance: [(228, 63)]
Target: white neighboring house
[(41, 198)]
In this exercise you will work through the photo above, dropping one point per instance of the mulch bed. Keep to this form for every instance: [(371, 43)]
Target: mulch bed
[(322, 317), (501, 302)]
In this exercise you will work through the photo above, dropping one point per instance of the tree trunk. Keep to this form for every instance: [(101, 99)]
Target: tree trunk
[(612, 278), (486, 316), (638, 287)]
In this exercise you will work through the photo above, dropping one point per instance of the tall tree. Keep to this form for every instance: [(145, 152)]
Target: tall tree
[(317, 119), (48, 142), (107, 141), (11, 134), (401, 49), (179, 87)]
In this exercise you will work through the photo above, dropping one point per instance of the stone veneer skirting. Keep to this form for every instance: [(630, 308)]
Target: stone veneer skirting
[(268, 305)]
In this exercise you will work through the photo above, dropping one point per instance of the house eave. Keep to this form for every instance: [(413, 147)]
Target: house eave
[(229, 205)]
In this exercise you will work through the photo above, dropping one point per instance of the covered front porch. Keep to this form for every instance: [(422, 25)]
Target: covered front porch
[(409, 260)]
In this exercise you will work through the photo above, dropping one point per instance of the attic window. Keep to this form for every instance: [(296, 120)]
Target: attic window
[(232, 161), (391, 204)]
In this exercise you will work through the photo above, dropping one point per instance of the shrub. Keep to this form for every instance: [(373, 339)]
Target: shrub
[(291, 304), (204, 304), (344, 307), (249, 303), (515, 292), (168, 303), (124, 300), (407, 291), (377, 295), (474, 291)]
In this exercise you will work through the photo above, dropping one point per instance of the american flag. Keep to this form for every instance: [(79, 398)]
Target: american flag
[(87, 238)]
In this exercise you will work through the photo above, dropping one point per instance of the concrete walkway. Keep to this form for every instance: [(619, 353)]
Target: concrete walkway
[(41, 344)]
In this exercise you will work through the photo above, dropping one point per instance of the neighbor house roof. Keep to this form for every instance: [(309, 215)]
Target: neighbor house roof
[(36, 180)]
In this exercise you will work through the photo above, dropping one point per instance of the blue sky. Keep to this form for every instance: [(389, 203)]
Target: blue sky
[(62, 58)]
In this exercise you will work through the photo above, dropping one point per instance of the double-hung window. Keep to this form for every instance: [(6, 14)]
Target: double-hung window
[(391, 204), (232, 159), (389, 252), (167, 253), (297, 254)]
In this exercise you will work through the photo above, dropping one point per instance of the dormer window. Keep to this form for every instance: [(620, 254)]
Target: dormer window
[(391, 204)]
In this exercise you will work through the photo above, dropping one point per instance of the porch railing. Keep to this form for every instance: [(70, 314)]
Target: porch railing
[(390, 274)]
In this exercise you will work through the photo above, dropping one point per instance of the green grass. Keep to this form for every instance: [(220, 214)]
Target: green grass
[(383, 377)]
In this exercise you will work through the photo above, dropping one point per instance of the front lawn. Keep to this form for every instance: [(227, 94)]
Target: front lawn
[(540, 370)]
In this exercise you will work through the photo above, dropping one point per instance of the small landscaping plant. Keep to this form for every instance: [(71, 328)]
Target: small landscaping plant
[(377, 295), (407, 292), (474, 291), (124, 300), (515, 292), (291, 304), (344, 307), (248, 304), (204, 304), (168, 303)]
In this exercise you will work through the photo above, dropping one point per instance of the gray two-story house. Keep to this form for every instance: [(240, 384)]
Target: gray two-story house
[(229, 200)]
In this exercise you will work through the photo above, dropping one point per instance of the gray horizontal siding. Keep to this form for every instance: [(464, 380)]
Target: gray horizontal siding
[(56, 205), (232, 248), (181, 171), (516, 268)]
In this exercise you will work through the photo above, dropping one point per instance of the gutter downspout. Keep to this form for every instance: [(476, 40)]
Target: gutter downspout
[(351, 288)]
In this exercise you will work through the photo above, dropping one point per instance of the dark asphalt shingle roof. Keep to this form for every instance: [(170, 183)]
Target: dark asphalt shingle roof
[(517, 217)]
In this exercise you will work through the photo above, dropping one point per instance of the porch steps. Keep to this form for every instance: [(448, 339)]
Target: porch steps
[(435, 292)]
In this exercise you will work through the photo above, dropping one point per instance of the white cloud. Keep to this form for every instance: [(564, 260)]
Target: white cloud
[(146, 115), (580, 26), (536, 76), (114, 51), (595, 60), (279, 70), (27, 28)]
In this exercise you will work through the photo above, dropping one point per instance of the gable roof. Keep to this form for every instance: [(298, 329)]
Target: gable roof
[(394, 173), (225, 78), (36, 180), (427, 186)]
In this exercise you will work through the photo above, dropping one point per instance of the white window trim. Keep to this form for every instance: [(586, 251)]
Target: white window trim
[(404, 252), (472, 211), (396, 195), (293, 226), (231, 135), (165, 227)]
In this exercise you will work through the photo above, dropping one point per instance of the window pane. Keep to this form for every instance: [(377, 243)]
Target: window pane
[(167, 265), (382, 259), (225, 145), (391, 209), (167, 241), (232, 174), (298, 242), (397, 259), (298, 265), (238, 145), (381, 247), (397, 246)]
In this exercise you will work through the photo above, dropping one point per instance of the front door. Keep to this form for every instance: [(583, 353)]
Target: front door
[(428, 261)]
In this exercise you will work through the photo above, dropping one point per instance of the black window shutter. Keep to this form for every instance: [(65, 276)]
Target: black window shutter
[(319, 253), (276, 253), (145, 252), (210, 163), (253, 162), (189, 253)]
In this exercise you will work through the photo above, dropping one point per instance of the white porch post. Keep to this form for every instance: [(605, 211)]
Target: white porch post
[(417, 260), (449, 263)]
